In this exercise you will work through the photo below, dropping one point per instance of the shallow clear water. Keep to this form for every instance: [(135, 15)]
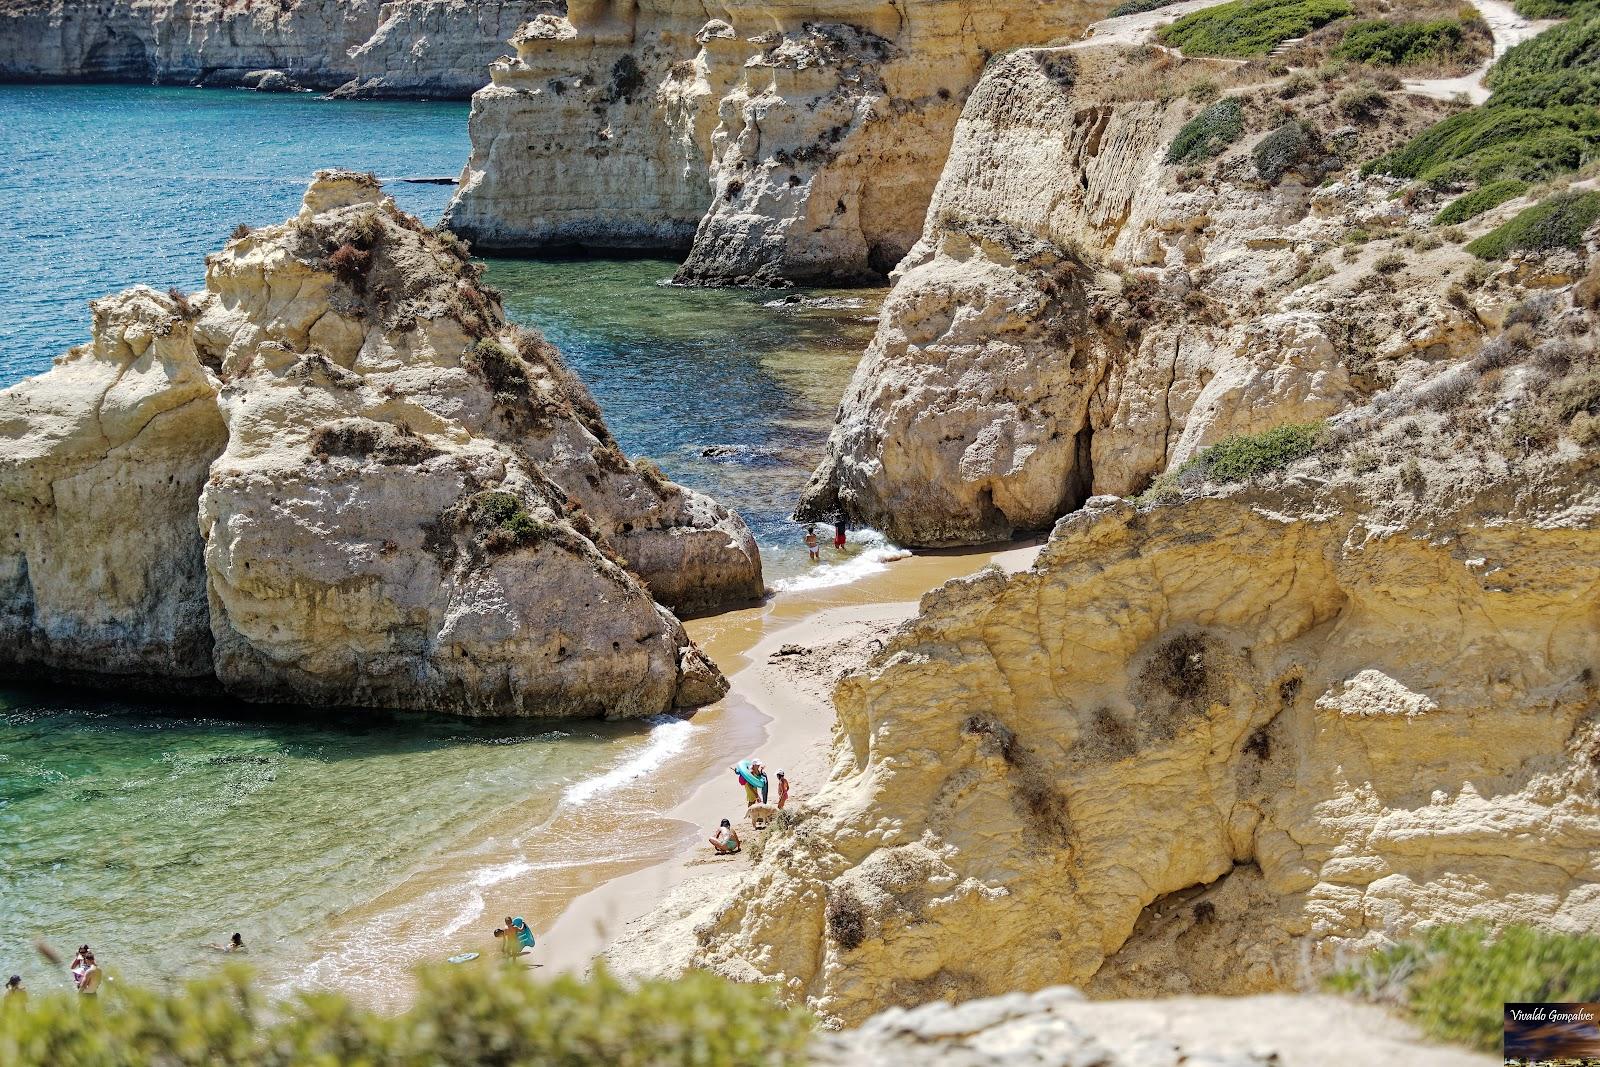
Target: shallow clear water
[(150, 830)]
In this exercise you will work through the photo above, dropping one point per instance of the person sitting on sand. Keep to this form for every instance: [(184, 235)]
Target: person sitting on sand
[(813, 545), (783, 790), (726, 842), (519, 926)]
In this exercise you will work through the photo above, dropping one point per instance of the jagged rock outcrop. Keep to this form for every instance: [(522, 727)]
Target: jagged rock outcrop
[(775, 144), (101, 461), (1059, 1028), (1080, 316), (415, 504), (1218, 744), (367, 48)]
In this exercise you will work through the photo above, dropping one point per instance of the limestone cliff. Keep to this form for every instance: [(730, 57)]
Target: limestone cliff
[(787, 143), (402, 500), (1216, 739), (1211, 746), (1081, 315), (413, 48), (1263, 717)]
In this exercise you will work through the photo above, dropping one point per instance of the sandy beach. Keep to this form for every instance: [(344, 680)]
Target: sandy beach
[(783, 660)]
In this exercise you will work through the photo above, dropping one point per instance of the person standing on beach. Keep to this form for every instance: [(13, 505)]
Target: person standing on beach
[(813, 545), (783, 790), (16, 996), (508, 943)]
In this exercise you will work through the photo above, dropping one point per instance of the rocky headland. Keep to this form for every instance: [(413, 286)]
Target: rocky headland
[(773, 144), (367, 48), (338, 475)]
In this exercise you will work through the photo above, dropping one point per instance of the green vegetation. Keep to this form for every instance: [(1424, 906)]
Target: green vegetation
[(504, 522), (1456, 980), (1282, 149), (1543, 119), (1481, 199), (1138, 7), (1547, 9), (1396, 44), (461, 1017), (1557, 222), (1246, 28), (1208, 133), (1239, 459)]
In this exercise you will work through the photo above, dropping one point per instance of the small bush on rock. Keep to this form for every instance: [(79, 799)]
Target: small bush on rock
[(1281, 149), (1208, 133), (1239, 459), (847, 919)]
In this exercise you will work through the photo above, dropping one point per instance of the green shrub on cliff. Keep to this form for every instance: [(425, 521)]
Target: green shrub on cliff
[(1208, 133), (1481, 199), (1395, 44), (481, 1015), (1456, 980), (1246, 28), (1282, 149), (1238, 459), (1557, 222)]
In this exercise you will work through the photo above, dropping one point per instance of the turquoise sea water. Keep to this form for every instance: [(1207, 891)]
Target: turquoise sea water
[(152, 829)]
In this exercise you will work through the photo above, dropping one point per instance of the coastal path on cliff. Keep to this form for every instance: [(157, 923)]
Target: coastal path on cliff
[(1508, 29)]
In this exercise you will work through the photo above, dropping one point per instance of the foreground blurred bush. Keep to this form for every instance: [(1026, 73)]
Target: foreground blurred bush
[(476, 1017), (1456, 980)]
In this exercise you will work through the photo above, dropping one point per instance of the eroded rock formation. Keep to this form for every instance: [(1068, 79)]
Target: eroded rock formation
[(1255, 722), (414, 48), (1080, 315), (406, 501), (1207, 747), (774, 143)]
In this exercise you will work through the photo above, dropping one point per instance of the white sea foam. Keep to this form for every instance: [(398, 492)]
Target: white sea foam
[(874, 557), (669, 737)]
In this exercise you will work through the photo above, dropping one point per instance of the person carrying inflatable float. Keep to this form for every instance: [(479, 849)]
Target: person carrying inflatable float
[(753, 776)]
